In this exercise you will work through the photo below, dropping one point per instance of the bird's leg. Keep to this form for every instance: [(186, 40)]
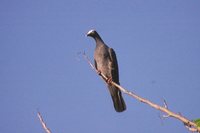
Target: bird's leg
[(109, 80), (99, 72)]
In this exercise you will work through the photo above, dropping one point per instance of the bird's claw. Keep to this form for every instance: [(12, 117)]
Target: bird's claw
[(109, 80), (98, 72)]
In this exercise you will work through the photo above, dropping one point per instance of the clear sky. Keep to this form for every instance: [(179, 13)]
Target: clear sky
[(157, 45)]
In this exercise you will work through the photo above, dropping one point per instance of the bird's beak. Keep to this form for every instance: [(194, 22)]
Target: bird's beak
[(87, 34)]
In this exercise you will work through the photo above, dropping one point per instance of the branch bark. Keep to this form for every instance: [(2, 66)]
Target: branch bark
[(47, 130), (191, 126)]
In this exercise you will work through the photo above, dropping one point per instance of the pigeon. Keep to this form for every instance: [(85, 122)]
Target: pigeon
[(105, 62)]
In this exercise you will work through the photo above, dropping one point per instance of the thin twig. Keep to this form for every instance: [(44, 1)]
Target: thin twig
[(165, 104), (188, 123), (47, 130)]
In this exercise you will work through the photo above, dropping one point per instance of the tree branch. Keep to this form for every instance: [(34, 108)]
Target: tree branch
[(47, 130), (188, 123)]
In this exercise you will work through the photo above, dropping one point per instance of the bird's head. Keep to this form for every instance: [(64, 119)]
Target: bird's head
[(95, 35), (92, 33)]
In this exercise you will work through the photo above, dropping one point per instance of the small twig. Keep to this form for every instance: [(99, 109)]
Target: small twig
[(89, 62), (191, 129), (166, 116), (189, 124), (47, 130), (165, 104)]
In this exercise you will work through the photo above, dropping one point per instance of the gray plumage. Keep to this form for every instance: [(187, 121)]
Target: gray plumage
[(106, 62)]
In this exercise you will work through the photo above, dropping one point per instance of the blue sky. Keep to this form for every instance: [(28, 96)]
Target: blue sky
[(157, 44)]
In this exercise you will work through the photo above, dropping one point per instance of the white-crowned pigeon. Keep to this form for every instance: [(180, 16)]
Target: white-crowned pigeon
[(106, 62)]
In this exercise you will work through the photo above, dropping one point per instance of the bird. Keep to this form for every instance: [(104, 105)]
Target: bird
[(105, 62)]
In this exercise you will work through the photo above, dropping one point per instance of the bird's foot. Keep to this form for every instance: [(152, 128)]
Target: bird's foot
[(109, 80), (98, 72)]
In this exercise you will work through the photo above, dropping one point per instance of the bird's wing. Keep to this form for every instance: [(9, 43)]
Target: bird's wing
[(114, 66)]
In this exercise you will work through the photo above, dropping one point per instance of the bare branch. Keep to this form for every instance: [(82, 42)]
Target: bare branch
[(47, 130), (188, 123)]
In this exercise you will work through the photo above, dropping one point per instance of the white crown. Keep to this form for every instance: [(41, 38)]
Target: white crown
[(90, 31)]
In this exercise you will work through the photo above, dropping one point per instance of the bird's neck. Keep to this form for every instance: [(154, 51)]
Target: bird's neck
[(98, 39)]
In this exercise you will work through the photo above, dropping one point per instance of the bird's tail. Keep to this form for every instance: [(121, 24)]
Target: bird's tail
[(117, 98)]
